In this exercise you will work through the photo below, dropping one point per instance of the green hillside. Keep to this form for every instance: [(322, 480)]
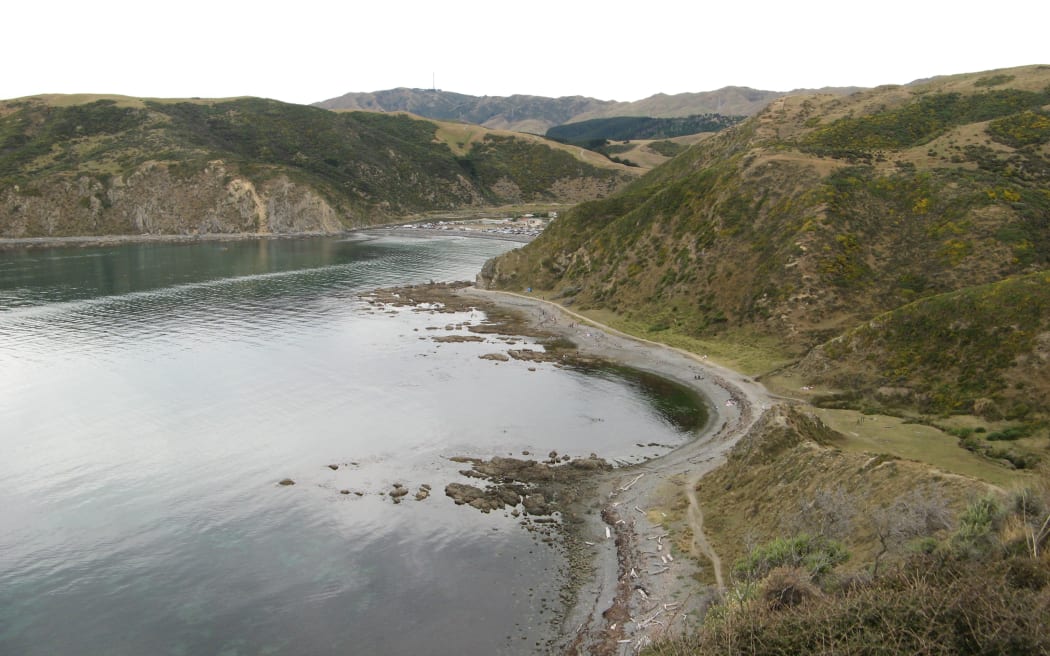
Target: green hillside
[(106, 165), (981, 350), (817, 214), (623, 128)]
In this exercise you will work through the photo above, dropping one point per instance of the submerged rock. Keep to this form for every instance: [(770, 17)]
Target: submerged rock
[(398, 492)]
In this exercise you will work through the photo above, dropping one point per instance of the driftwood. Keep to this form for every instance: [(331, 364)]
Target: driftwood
[(628, 486)]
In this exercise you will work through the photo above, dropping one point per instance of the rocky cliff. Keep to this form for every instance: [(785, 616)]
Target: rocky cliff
[(153, 200)]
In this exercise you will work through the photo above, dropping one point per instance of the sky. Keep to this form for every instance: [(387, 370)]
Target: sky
[(307, 51)]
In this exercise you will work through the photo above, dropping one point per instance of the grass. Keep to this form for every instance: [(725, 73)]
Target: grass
[(778, 470), (462, 137), (747, 352), (892, 435)]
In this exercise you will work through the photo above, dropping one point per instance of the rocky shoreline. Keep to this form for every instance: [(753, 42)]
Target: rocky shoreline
[(427, 233), (633, 535), (639, 590)]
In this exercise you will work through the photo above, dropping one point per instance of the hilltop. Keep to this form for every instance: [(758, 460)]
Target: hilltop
[(537, 114), (98, 165)]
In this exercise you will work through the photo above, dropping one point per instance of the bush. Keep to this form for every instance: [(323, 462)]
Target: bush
[(976, 535), (786, 587), (1011, 433), (816, 556), (931, 605)]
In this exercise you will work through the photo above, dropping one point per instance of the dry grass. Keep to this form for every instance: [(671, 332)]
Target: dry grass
[(460, 138)]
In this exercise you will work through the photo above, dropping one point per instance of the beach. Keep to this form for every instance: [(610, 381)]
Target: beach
[(640, 591)]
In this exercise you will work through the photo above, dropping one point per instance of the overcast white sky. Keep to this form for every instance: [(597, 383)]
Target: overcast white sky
[(307, 51)]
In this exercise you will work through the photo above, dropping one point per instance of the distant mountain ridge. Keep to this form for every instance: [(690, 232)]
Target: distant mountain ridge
[(537, 114)]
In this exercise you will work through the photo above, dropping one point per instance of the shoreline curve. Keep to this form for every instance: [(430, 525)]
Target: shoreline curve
[(637, 595)]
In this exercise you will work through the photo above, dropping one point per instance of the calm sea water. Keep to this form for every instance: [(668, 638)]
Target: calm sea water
[(153, 396)]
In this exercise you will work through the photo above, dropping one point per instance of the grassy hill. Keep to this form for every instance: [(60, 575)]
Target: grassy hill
[(109, 165), (817, 214)]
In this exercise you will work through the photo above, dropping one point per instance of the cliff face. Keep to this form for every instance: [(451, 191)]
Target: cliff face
[(154, 200)]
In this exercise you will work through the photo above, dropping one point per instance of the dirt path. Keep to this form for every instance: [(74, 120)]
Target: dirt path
[(640, 590), (701, 546)]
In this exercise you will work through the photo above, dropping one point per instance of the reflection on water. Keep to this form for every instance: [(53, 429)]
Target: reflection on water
[(151, 396)]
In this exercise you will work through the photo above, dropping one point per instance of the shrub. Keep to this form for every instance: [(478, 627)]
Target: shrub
[(786, 587), (816, 556), (1011, 433), (976, 535), (932, 605)]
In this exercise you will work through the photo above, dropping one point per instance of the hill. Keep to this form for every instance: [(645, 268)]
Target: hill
[(85, 165), (537, 114), (817, 214)]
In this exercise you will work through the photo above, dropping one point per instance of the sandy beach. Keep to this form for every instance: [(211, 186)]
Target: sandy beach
[(640, 591)]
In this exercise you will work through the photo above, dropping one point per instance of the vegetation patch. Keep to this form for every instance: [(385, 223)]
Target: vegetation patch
[(621, 128), (917, 122), (986, 360), (835, 552), (666, 148)]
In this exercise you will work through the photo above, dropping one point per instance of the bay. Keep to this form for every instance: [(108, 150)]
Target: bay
[(153, 396)]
